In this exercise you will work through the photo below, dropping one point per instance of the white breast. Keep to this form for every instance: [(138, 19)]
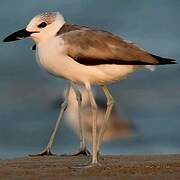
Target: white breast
[(49, 55)]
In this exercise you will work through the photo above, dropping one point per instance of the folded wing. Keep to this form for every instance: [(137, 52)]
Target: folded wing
[(95, 47)]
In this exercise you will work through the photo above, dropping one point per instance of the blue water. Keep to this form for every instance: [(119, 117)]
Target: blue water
[(150, 99)]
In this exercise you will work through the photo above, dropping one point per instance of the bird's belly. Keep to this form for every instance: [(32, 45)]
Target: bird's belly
[(64, 66), (102, 74), (116, 72)]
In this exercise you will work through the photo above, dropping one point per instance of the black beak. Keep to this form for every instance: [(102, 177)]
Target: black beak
[(21, 34)]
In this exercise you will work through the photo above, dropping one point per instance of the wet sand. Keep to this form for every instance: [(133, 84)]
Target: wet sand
[(166, 167)]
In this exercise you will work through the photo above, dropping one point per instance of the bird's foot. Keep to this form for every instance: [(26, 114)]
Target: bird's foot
[(45, 152), (82, 152)]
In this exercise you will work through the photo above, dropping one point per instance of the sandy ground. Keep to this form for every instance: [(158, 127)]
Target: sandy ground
[(166, 167)]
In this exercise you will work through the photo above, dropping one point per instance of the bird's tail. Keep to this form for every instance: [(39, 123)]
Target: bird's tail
[(163, 61)]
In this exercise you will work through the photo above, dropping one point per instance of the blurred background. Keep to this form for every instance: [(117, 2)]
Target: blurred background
[(151, 100)]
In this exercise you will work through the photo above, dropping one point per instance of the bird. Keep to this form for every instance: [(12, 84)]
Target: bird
[(84, 56), (117, 127)]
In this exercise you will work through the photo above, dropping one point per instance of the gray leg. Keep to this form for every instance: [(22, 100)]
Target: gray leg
[(94, 129), (83, 150), (110, 103), (47, 150)]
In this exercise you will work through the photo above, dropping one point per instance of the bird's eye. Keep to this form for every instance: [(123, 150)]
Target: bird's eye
[(42, 25)]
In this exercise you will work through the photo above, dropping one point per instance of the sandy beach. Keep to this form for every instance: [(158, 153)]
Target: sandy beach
[(158, 167)]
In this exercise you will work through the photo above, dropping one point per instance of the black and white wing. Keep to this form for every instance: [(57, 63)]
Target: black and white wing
[(94, 47)]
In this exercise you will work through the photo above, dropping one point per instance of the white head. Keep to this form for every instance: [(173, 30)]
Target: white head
[(40, 28)]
